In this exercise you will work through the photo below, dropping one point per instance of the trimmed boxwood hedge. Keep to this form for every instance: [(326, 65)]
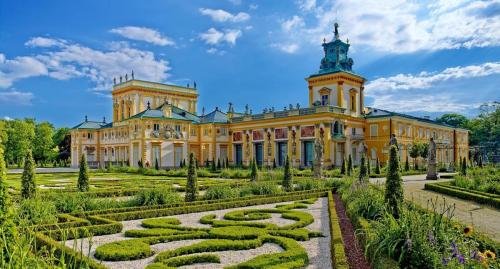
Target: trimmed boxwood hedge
[(464, 194), (124, 250), (339, 258), (185, 260)]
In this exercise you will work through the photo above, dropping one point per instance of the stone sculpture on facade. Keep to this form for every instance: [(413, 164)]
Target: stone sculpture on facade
[(431, 162)]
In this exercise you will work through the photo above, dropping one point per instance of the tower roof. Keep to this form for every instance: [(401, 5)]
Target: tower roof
[(335, 55)]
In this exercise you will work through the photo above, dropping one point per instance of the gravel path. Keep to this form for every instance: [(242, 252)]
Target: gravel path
[(318, 249), (484, 218)]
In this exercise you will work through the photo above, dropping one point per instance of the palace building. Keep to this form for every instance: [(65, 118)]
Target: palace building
[(159, 122)]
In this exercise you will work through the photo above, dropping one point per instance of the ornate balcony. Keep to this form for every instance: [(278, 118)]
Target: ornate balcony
[(291, 112)]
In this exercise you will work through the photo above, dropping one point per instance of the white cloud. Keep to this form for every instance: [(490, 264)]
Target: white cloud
[(421, 102), (288, 48), (72, 60), (14, 97), (7, 118), (292, 23), (400, 26), (213, 37), (44, 42), (425, 80), (19, 68), (220, 15), (307, 5), (216, 51), (253, 6), (143, 34)]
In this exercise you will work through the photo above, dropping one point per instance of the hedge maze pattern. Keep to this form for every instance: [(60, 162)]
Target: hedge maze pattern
[(238, 230)]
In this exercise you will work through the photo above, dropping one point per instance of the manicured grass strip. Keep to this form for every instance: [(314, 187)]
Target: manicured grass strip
[(124, 250), (160, 223), (185, 260), (211, 245), (339, 258), (464, 194), (237, 232), (294, 256), (100, 226)]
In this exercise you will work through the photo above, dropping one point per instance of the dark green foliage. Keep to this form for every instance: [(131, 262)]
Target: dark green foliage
[(124, 250), (212, 167), (157, 167), (221, 192), (377, 167), (28, 187), (288, 177), (157, 196), (254, 171), (342, 167), (261, 188), (463, 167), (207, 163), (7, 227), (393, 184), (349, 165), (83, 175), (363, 173), (227, 163), (407, 164), (274, 163), (368, 167), (191, 185), (140, 164), (218, 164), (36, 211)]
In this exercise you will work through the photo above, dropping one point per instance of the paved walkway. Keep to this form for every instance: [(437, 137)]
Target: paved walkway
[(484, 218), (45, 170)]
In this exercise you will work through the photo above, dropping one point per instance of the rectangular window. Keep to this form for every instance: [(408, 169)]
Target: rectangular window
[(156, 127), (205, 131), (193, 131), (374, 130), (177, 128), (353, 131), (324, 100), (353, 103), (223, 131)]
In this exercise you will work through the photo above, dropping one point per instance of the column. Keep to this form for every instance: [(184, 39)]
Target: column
[(361, 99), (340, 94)]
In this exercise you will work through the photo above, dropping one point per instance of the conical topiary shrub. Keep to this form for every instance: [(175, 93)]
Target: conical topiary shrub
[(393, 184), (362, 169), (83, 175), (342, 167), (407, 164), (288, 177), (463, 167), (377, 167), (349, 165), (254, 171), (191, 184), (28, 186)]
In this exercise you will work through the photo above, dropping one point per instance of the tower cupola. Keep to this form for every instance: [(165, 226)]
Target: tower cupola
[(335, 55)]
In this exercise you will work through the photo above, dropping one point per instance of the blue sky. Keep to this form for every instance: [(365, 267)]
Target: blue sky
[(58, 58)]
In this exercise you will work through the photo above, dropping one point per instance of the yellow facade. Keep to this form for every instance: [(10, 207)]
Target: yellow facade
[(154, 122)]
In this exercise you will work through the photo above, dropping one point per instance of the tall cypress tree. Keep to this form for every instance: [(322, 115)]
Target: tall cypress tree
[(407, 164), (362, 169), (227, 163), (463, 167), (349, 165), (28, 188), (393, 184), (219, 167), (191, 184), (377, 167), (157, 166), (83, 175), (368, 167), (342, 167), (288, 177), (6, 213), (254, 172), (212, 167)]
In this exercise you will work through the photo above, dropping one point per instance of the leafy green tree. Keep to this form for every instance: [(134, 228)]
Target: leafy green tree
[(28, 186), (454, 119), (407, 164), (288, 177), (3, 134), (83, 175), (20, 141), (349, 165), (157, 166), (415, 152), (362, 169), (377, 167), (463, 167), (254, 172), (43, 145), (393, 184), (342, 167), (191, 184), (62, 141)]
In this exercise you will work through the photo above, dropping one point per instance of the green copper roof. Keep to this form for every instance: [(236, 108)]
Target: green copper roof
[(90, 125)]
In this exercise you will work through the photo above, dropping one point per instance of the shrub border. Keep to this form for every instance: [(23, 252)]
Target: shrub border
[(463, 194), (339, 258)]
